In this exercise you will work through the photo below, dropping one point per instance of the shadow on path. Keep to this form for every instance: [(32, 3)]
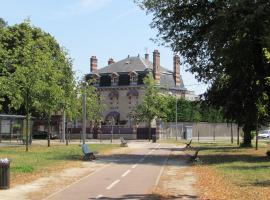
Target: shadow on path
[(151, 197)]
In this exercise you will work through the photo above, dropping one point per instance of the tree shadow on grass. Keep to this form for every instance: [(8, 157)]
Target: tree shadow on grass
[(264, 183), (126, 158)]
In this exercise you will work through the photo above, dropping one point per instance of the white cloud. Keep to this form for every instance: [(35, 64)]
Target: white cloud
[(83, 7)]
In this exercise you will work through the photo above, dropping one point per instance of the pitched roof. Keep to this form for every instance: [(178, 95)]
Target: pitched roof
[(129, 64), (140, 64)]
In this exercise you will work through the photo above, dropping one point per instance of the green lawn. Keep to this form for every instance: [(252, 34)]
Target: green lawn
[(242, 166), (42, 159)]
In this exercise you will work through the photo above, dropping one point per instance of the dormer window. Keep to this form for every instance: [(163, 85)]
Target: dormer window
[(133, 78), (96, 79), (114, 78)]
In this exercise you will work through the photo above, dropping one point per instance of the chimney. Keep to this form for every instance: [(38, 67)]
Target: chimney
[(110, 61), (146, 56), (156, 66), (176, 69), (93, 64)]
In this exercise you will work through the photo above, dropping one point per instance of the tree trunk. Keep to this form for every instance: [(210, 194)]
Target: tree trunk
[(149, 130), (27, 130), (231, 133), (256, 135), (49, 132), (238, 136), (27, 120), (247, 136)]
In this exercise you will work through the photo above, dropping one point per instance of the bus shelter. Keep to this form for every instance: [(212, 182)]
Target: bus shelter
[(12, 128)]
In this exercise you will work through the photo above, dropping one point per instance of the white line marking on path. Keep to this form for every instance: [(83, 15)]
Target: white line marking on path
[(92, 173), (161, 170), (133, 166), (113, 184), (123, 175), (99, 196)]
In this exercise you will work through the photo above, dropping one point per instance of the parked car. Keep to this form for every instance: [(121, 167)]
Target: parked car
[(264, 134), (43, 135)]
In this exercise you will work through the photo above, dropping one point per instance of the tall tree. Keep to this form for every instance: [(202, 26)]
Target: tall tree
[(152, 105), (32, 69), (94, 106), (222, 41)]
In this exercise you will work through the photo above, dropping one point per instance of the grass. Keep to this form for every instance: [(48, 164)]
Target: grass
[(40, 160), (226, 171), (243, 166)]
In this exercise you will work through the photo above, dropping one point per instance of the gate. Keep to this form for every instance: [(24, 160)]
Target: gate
[(142, 133)]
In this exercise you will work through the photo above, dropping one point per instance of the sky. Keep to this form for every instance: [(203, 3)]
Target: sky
[(104, 28)]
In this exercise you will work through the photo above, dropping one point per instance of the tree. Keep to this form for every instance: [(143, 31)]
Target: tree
[(50, 95), (152, 105), (222, 41), (33, 67), (94, 107)]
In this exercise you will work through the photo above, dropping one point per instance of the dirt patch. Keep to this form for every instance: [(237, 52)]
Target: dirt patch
[(177, 180), (212, 185)]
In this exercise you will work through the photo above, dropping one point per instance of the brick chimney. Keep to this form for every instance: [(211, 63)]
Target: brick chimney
[(176, 70), (146, 56), (93, 64), (156, 66), (110, 61)]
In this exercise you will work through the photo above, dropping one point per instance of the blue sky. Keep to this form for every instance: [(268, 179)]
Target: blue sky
[(104, 28)]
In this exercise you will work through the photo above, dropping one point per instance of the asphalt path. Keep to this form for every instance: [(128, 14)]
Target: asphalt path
[(128, 176)]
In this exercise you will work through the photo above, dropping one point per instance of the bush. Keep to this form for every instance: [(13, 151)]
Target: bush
[(268, 153)]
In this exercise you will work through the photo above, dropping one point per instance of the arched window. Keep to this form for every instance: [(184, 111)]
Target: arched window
[(113, 98), (132, 98)]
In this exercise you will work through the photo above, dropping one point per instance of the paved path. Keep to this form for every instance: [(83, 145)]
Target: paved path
[(128, 176)]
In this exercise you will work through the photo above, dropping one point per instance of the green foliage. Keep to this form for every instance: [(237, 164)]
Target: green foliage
[(153, 103), (223, 42), (192, 111), (36, 73), (94, 107)]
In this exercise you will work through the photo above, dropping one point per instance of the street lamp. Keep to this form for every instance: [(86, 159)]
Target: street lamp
[(170, 93), (84, 113), (112, 123)]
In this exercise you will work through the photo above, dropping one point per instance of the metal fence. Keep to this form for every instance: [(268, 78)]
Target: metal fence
[(200, 130)]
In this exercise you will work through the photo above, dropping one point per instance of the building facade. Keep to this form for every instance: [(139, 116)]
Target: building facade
[(121, 86)]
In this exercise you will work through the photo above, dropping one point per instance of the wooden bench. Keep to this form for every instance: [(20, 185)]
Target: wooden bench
[(88, 155), (188, 145), (123, 142)]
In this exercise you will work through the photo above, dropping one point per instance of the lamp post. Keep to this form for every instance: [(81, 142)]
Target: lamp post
[(84, 114), (112, 123), (176, 117)]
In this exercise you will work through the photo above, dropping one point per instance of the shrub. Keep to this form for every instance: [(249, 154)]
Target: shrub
[(268, 153)]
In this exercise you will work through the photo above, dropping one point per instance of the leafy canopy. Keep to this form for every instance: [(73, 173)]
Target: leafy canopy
[(222, 42)]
